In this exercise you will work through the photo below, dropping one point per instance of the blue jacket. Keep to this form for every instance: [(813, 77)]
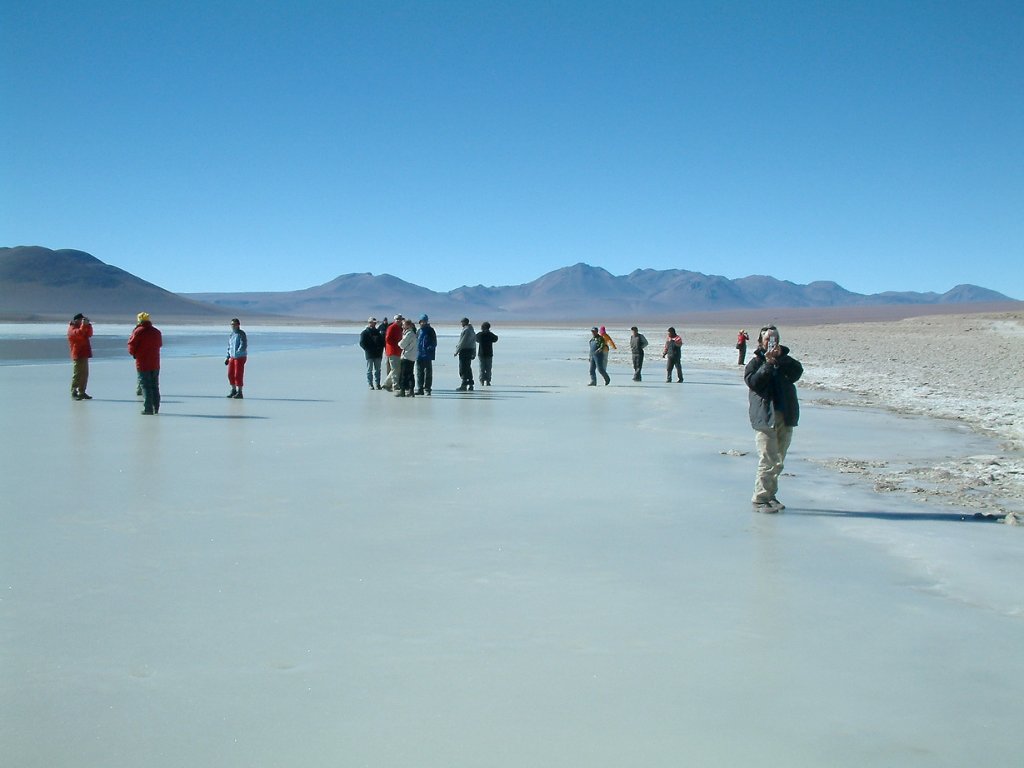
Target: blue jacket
[(426, 343)]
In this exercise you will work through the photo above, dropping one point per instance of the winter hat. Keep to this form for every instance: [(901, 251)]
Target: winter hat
[(424, 319), (79, 316), (143, 317)]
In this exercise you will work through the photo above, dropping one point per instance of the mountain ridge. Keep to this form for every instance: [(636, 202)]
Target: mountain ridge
[(38, 282)]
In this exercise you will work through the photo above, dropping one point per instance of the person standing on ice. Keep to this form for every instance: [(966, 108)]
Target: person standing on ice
[(238, 352), (79, 333), (485, 352), (465, 350), (392, 338), (637, 345), (144, 345), (741, 346), (372, 344), (673, 354), (771, 377)]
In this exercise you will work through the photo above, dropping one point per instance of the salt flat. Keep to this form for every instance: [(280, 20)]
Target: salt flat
[(539, 573)]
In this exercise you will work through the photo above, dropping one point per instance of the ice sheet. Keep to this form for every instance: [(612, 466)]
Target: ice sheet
[(540, 573)]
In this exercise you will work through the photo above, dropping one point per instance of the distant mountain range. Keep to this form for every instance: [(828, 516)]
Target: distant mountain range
[(38, 283)]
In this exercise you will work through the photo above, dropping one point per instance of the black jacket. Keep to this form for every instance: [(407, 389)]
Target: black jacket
[(372, 343), (772, 390)]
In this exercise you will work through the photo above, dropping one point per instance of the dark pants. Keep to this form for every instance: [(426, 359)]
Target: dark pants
[(743, 353), (674, 364), (638, 364), (150, 381), (466, 366), (424, 375), (485, 369), (407, 380)]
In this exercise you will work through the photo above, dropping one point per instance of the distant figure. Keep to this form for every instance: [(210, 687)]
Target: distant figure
[(406, 377), (465, 350), (774, 410), (426, 351), (392, 337), (372, 344), (598, 357), (238, 351), (485, 352), (741, 344), (637, 345), (673, 354), (610, 345), (79, 333), (144, 345)]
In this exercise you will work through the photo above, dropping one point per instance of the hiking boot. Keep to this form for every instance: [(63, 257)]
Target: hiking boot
[(238, 395), (419, 391), (765, 507), (233, 392), (83, 396), (777, 504), (592, 384)]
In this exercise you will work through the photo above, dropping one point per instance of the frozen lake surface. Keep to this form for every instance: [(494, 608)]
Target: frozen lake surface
[(535, 574)]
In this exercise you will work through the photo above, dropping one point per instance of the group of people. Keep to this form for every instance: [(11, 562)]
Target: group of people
[(770, 376), (403, 354), (601, 345), (144, 345)]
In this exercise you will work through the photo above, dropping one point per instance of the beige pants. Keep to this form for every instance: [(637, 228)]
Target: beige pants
[(79, 374), (771, 458)]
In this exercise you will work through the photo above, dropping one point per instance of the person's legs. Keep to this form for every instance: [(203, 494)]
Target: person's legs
[(772, 448), (150, 391), (602, 362), (593, 371), (79, 377)]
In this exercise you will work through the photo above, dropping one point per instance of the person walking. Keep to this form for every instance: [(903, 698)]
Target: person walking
[(673, 354), (465, 350), (80, 346), (485, 352), (637, 345), (426, 351), (144, 345), (598, 356), (774, 410), (741, 345), (238, 352), (372, 344)]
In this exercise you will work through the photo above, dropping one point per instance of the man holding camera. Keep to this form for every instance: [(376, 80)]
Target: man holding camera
[(774, 411), (79, 333)]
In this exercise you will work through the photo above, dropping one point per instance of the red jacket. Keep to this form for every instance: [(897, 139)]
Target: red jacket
[(144, 345), (78, 340), (392, 336)]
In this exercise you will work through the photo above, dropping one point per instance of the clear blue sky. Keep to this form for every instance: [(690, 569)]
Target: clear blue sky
[(234, 146)]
